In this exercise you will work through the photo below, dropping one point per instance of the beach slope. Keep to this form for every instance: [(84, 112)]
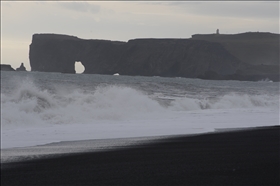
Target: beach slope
[(241, 157)]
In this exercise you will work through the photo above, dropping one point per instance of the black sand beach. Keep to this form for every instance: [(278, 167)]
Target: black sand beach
[(247, 157)]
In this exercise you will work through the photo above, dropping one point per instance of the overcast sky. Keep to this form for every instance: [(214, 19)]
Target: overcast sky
[(124, 20)]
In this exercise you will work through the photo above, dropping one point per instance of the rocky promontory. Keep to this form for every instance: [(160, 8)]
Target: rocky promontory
[(5, 67), (248, 56)]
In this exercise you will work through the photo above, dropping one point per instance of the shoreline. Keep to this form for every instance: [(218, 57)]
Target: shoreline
[(239, 157), (262, 79), (54, 149)]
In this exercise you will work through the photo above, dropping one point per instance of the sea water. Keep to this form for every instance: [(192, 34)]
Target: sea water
[(39, 108)]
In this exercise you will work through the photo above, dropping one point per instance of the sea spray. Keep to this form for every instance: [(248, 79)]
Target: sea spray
[(228, 101), (76, 106), (29, 104), (39, 108)]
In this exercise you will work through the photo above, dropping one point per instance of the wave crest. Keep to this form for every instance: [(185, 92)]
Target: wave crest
[(29, 104), (228, 101)]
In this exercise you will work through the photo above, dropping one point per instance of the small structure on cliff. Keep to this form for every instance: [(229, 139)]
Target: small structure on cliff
[(21, 68)]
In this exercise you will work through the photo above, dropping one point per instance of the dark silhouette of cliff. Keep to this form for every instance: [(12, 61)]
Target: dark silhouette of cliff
[(198, 57), (6, 67), (255, 48)]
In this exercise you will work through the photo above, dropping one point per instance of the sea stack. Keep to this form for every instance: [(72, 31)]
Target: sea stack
[(21, 68)]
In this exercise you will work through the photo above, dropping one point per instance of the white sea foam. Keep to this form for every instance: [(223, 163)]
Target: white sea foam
[(32, 114), (30, 105), (229, 101)]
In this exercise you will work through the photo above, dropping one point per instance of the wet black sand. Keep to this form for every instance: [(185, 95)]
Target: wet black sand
[(249, 157)]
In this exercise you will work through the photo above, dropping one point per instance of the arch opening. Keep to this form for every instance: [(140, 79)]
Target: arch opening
[(79, 67)]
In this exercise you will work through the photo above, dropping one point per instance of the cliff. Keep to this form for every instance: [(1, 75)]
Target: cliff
[(5, 67), (255, 48), (176, 58), (58, 53), (197, 57)]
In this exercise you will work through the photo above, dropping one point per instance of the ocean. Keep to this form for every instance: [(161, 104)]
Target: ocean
[(39, 108)]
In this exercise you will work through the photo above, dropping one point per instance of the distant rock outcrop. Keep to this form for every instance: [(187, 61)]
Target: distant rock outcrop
[(193, 58), (21, 68), (255, 48), (5, 67)]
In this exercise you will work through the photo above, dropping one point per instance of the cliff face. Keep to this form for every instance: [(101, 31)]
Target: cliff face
[(58, 53), (255, 48), (194, 58), (176, 57)]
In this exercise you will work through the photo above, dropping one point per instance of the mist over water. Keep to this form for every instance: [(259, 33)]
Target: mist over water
[(37, 99)]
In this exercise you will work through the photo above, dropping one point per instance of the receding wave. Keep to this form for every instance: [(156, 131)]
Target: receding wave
[(232, 100), (30, 105)]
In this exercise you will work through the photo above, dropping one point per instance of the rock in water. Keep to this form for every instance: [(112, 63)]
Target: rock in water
[(21, 68)]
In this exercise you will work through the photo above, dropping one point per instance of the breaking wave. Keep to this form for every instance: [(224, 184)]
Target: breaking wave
[(228, 101), (29, 104)]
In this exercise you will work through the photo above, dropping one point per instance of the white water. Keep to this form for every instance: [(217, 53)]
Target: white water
[(34, 115)]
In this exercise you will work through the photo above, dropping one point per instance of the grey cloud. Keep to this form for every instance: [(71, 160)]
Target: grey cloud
[(94, 9), (80, 6), (6, 4), (230, 9)]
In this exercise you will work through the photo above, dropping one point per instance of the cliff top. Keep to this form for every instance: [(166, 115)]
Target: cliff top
[(256, 48), (209, 37), (240, 36), (54, 36)]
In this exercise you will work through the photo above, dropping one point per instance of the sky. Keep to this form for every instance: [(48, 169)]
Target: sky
[(125, 20)]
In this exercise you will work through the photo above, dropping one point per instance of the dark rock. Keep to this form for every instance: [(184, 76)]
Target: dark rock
[(21, 68), (258, 52), (193, 58), (255, 48), (58, 53), (176, 57), (5, 67)]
